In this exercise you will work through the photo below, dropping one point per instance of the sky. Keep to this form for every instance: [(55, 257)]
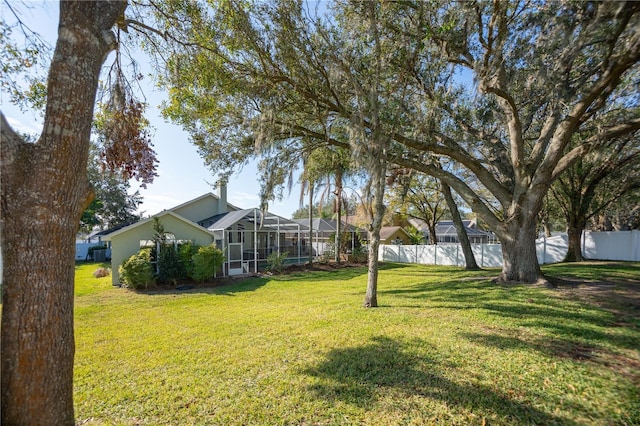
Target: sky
[(182, 175)]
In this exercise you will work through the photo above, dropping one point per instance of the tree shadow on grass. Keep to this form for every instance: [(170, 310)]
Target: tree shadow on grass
[(564, 323), (449, 291), (557, 328), (342, 274), (358, 375), (228, 287), (523, 306)]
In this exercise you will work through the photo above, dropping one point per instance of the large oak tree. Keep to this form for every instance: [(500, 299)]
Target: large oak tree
[(541, 74)]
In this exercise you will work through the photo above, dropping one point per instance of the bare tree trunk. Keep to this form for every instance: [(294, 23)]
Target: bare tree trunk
[(44, 191), (469, 258)]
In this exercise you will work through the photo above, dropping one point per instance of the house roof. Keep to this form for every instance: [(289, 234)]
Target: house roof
[(446, 227), (265, 220), (225, 220), (109, 231), (222, 221), (388, 231), (326, 225), (159, 215), (203, 196)]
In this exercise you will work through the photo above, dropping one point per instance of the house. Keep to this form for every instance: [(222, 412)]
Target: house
[(446, 231), (388, 234), (246, 236), (324, 231), (394, 235)]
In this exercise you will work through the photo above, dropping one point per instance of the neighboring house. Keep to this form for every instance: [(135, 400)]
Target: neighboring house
[(246, 237), (324, 230), (394, 235), (446, 231)]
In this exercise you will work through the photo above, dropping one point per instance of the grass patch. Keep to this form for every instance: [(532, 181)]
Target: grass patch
[(446, 346)]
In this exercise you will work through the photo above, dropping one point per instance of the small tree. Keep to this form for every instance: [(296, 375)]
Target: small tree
[(170, 269), (186, 251)]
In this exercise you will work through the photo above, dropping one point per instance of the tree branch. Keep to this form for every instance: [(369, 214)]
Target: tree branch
[(11, 142), (469, 195), (593, 143)]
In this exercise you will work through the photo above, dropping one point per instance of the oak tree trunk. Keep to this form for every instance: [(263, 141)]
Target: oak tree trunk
[(520, 261), (44, 191), (574, 233)]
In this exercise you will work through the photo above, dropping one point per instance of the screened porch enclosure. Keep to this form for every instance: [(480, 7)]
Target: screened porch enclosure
[(248, 237)]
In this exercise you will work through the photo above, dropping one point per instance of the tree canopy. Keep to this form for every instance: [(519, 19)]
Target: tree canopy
[(498, 89)]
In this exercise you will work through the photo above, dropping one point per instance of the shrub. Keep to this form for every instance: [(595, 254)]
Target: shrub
[(186, 251), (360, 254), (137, 272), (206, 262), (170, 269), (275, 262), (325, 258), (102, 272)]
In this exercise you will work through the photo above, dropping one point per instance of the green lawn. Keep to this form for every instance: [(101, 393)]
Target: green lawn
[(445, 347)]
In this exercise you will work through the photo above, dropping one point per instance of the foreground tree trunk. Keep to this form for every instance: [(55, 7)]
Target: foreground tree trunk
[(469, 258), (44, 192)]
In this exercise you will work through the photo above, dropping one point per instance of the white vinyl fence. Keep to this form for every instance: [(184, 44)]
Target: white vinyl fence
[(615, 245), (619, 245)]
